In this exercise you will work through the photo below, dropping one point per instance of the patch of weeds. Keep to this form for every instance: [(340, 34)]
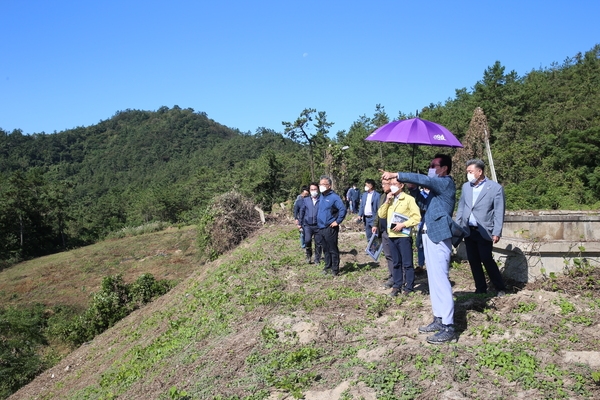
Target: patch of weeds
[(384, 381), (513, 366), (565, 306), (355, 327), (286, 369), (515, 363), (268, 334), (595, 375), (345, 395), (293, 383), (574, 338), (176, 394), (462, 373), (581, 320), (485, 331), (491, 315), (524, 307), (377, 305), (538, 331)]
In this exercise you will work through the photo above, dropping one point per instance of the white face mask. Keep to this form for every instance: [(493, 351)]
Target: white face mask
[(471, 178), (322, 188), (394, 189), (314, 193), (367, 188), (431, 173)]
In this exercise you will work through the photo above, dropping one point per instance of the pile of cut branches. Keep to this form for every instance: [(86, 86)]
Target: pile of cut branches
[(228, 219)]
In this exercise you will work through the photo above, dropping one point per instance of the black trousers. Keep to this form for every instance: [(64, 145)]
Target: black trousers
[(329, 241), (311, 231), (387, 251), (479, 250)]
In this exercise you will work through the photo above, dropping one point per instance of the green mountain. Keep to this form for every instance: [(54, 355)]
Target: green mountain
[(74, 187), (70, 188)]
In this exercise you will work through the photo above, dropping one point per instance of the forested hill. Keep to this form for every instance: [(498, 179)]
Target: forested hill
[(73, 187)]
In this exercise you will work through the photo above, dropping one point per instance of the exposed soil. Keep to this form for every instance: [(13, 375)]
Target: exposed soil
[(531, 315)]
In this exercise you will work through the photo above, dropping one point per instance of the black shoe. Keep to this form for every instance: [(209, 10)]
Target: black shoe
[(335, 273), (435, 326), (317, 261), (388, 285), (308, 260), (395, 292), (388, 278), (326, 272), (444, 335)]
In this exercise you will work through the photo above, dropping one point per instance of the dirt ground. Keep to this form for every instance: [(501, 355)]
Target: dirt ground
[(532, 314)]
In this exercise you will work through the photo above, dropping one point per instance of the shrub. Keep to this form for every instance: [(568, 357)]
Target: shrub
[(113, 302), (20, 338)]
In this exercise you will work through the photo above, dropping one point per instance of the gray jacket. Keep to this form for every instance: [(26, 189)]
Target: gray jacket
[(488, 210)]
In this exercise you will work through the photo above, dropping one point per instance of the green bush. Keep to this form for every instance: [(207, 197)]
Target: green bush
[(21, 335), (113, 302)]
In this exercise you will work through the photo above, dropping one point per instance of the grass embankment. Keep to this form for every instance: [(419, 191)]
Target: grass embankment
[(69, 278), (259, 322)]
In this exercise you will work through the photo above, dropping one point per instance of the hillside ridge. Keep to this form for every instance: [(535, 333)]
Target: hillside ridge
[(259, 323)]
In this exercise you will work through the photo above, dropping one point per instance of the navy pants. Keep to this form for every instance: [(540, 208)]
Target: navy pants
[(310, 232), (402, 258), (369, 226)]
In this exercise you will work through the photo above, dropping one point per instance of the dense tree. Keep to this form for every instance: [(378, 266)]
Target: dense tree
[(74, 187)]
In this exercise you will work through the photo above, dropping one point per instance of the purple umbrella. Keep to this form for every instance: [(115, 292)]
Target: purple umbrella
[(415, 131)]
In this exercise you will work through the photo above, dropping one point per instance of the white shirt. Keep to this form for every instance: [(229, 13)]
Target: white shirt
[(368, 208)]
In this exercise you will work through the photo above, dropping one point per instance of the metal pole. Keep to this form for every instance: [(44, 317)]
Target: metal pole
[(489, 155)]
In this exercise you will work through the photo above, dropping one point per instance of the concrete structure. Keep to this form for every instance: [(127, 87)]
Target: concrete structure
[(537, 243)]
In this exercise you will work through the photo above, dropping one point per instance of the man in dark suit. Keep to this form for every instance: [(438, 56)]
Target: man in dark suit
[(307, 217), (481, 213), (369, 203), (330, 214), (437, 234)]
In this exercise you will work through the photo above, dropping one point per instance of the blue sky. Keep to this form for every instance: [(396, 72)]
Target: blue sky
[(254, 64)]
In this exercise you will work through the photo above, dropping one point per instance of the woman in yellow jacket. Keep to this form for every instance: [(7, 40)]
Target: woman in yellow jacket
[(402, 214)]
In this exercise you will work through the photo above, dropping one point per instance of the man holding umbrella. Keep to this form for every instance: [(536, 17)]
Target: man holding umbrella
[(437, 243)]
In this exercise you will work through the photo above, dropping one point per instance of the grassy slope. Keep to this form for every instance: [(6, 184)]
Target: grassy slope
[(70, 277), (259, 322)]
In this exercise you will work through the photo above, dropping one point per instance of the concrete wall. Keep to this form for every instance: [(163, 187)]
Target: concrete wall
[(536, 243)]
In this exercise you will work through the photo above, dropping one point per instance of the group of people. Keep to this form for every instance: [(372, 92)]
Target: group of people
[(318, 217), (425, 209)]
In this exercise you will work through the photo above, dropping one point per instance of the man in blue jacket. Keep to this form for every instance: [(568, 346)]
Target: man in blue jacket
[(369, 203), (330, 214), (297, 204), (307, 217), (438, 230)]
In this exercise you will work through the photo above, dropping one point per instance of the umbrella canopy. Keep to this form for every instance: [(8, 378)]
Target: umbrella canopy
[(415, 131)]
